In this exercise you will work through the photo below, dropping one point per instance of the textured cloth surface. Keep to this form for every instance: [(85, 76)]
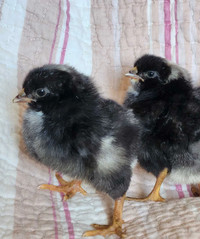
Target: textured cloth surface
[(101, 38)]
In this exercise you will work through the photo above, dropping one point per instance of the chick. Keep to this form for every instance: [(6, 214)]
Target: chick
[(70, 128), (168, 106)]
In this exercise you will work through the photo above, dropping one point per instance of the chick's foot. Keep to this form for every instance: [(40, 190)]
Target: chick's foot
[(105, 230), (155, 193), (68, 188), (115, 227)]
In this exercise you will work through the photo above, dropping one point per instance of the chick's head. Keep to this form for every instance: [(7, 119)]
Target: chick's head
[(52, 85), (151, 71)]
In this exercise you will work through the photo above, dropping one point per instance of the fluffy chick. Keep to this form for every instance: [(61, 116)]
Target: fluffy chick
[(168, 106), (70, 128)]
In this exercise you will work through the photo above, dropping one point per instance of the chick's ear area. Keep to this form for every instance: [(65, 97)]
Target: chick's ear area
[(70, 85), (62, 81), (81, 83), (63, 77), (165, 71)]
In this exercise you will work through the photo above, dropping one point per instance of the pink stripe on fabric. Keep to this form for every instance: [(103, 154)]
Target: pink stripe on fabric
[(65, 204), (176, 29), (50, 178), (167, 29), (54, 209), (56, 30), (180, 191), (66, 33), (68, 218), (189, 190)]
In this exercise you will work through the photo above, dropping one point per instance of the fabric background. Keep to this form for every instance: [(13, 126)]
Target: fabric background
[(100, 38)]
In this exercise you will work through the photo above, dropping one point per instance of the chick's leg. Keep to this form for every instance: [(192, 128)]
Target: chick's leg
[(155, 193), (68, 188), (116, 225)]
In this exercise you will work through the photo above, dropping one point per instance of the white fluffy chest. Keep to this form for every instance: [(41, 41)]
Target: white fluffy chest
[(32, 130), (34, 120)]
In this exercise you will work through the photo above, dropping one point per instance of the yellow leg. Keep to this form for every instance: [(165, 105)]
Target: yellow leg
[(68, 188), (115, 227), (155, 193)]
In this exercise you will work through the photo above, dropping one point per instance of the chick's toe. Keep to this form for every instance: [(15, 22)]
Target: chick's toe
[(116, 225), (105, 230), (68, 188)]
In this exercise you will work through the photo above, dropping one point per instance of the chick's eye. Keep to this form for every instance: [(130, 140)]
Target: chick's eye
[(41, 92), (151, 74)]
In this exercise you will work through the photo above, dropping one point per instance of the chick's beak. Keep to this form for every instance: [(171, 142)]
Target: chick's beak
[(133, 74), (22, 98)]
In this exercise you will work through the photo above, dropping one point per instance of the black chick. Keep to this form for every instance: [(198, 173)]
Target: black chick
[(70, 128), (168, 106)]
